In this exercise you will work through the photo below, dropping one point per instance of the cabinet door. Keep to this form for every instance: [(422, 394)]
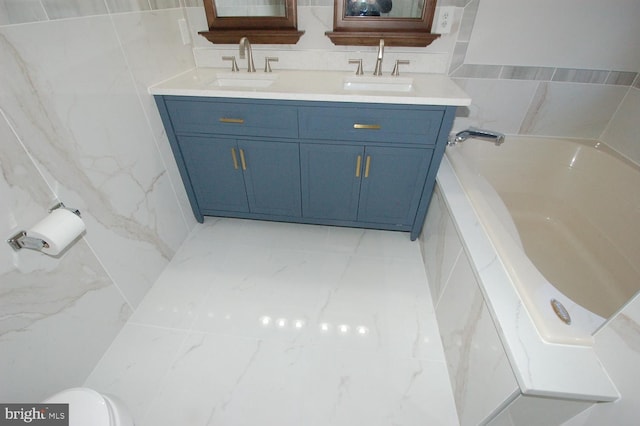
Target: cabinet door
[(331, 176), (215, 174), (392, 184), (272, 177)]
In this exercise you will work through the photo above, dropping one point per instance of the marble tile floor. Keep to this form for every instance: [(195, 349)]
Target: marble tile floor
[(262, 323)]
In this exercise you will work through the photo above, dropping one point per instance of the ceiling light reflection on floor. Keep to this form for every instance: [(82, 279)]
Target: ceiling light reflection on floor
[(324, 327)]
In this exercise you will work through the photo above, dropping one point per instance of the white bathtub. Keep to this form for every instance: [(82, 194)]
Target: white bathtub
[(564, 217)]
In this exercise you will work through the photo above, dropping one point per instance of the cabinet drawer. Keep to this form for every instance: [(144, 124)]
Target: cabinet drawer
[(413, 126), (230, 118)]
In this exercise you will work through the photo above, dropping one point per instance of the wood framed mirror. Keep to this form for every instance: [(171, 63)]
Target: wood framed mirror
[(262, 21), (399, 22)]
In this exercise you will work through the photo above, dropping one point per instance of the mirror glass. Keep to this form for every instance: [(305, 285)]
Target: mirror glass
[(262, 21), (384, 8), (240, 8), (398, 22)]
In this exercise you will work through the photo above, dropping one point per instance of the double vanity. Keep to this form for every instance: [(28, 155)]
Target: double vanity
[(316, 147), (334, 148)]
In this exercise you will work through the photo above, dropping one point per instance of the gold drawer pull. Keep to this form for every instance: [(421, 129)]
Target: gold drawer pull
[(367, 126), (367, 166), (235, 159), (358, 165), (232, 120), (242, 159)]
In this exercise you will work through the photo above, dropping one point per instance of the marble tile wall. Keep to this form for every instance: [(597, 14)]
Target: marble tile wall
[(622, 132), (73, 91), (78, 125), (618, 347), (542, 101), (57, 315), (24, 11), (545, 101), (479, 371)]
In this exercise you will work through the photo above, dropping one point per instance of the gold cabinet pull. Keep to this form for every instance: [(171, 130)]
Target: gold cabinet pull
[(358, 165), (232, 120), (367, 166), (367, 126), (235, 159), (242, 159)]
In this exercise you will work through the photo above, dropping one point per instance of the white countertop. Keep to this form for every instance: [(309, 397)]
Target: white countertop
[(426, 89)]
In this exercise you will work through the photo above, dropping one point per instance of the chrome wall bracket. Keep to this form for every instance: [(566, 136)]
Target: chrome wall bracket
[(62, 206), (21, 240)]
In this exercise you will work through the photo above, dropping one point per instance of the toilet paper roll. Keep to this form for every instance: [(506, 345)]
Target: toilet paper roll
[(58, 230)]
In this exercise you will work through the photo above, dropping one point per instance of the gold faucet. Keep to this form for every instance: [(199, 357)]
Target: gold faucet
[(246, 46), (378, 69)]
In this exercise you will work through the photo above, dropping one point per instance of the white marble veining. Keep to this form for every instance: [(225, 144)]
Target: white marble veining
[(147, 59), (60, 9), (481, 375), (17, 12), (74, 102), (78, 125), (288, 324), (489, 110), (571, 109), (441, 248), (622, 132), (618, 346), (119, 6), (541, 369), (35, 81), (303, 85), (50, 307)]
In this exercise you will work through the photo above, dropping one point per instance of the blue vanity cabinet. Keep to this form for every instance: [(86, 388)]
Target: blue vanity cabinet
[(334, 163), (376, 185), (214, 174), (331, 177), (224, 116), (271, 172), (231, 176), (237, 158), (392, 182), (374, 164)]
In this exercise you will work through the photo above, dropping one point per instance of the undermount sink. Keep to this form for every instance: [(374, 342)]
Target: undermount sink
[(378, 83), (244, 79)]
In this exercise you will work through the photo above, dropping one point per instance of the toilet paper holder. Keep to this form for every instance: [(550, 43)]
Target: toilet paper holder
[(21, 240)]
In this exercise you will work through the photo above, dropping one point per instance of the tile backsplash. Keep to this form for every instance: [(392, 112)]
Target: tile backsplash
[(316, 51)]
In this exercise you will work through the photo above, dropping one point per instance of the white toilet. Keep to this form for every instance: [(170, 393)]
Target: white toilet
[(88, 407)]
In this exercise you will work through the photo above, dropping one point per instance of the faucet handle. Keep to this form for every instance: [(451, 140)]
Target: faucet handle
[(359, 62), (267, 62), (396, 67), (234, 64)]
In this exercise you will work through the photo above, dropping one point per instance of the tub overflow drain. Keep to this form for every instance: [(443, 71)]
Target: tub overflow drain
[(561, 311)]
